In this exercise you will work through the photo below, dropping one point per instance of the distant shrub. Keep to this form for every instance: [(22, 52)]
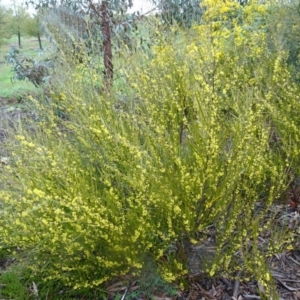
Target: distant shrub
[(37, 72)]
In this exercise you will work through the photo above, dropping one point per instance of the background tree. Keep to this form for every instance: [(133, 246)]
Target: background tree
[(18, 20), (5, 16), (88, 18), (33, 27), (183, 12)]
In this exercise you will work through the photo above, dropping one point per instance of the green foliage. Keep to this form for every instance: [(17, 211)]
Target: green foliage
[(18, 20), (4, 24), (37, 72), (119, 6), (33, 27), (183, 12), (9, 88), (12, 287), (151, 283), (284, 32), (111, 179)]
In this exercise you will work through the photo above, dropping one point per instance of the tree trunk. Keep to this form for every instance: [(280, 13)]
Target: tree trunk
[(106, 32), (19, 39), (40, 41)]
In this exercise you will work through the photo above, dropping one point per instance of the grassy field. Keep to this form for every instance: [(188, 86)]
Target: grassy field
[(10, 90)]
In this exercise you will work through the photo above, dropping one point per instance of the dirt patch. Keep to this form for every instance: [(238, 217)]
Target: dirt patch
[(8, 101), (5, 263)]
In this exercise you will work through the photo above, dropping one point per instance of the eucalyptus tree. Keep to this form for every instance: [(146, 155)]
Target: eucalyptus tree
[(33, 27), (183, 12), (82, 18)]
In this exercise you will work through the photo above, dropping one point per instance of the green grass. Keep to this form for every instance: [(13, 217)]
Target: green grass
[(29, 45), (18, 284), (10, 89), (11, 280), (11, 287)]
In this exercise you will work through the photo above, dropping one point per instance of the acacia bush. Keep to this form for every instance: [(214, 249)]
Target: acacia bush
[(189, 143)]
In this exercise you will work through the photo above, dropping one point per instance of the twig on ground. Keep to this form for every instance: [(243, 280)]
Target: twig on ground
[(251, 297), (289, 288), (236, 287), (126, 291), (294, 260)]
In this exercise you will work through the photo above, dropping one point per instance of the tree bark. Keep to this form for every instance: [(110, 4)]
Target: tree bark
[(106, 32)]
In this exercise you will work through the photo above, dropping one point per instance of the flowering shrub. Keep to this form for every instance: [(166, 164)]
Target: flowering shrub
[(96, 193)]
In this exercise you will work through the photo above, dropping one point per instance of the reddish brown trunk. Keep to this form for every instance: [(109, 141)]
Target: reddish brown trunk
[(108, 65)]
